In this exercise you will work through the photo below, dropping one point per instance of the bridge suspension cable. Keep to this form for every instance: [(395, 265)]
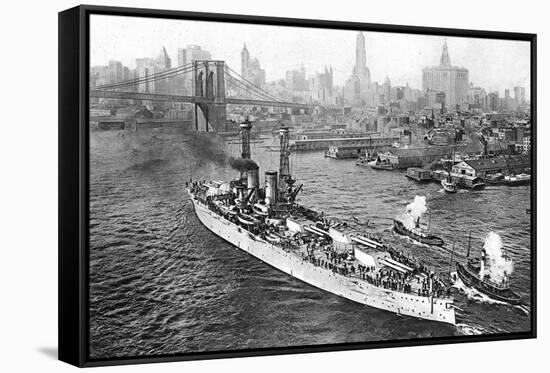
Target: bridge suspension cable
[(239, 77), (149, 78), (231, 77), (239, 84)]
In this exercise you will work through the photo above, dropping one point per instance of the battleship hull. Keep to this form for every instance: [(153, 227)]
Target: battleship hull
[(435, 309)]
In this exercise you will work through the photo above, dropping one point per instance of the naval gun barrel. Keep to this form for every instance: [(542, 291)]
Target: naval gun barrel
[(292, 196)]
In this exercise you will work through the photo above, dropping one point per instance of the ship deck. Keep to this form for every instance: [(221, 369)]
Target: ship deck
[(381, 275)]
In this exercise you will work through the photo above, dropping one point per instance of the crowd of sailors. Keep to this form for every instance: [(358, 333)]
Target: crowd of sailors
[(418, 282)]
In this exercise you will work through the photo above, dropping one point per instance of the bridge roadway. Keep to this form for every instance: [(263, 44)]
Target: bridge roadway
[(96, 93)]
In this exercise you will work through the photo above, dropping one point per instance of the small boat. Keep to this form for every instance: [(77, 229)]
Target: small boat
[(449, 186), (381, 165), (519, 179), (417, 233), (364, 161), (470, 274)]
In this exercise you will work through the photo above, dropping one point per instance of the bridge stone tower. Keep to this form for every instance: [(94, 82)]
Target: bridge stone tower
[(209, 82)]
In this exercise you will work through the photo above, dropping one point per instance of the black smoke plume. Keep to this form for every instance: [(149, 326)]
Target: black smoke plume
[(242, 164), (207, 148)]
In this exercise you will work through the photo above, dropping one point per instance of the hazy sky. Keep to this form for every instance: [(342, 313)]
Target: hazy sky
[(493, 64)]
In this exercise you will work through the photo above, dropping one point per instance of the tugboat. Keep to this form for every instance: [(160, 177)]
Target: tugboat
[(471, 275), (379, 164), (364, 160), (417, 233), (268, 223), (448, 185)]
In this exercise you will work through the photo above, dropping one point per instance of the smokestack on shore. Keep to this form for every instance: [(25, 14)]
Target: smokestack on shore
[(271, 187)]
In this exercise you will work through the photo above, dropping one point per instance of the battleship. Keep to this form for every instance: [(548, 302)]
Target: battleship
[(417, 233), (270, 225), (474, 274)]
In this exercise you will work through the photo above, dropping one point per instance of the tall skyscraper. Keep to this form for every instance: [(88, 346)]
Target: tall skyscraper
[(493, 103), (386, 90), (251, 69), (451, 80), (182, 83), (245, 60), (519, 95), (115, 71), (357, 89), (361, 69), (321, 86), (144, 68), (477, 97), (295, 80), (163, 61)]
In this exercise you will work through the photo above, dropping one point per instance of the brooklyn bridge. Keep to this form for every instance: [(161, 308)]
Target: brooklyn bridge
[(214, 86)]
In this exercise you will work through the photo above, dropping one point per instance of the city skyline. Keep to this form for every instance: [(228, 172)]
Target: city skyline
[(493, 64)]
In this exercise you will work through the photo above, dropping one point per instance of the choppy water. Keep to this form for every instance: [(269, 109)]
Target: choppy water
[(161, 283)]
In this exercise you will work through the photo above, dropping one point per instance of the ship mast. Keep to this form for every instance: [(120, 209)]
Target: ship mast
[(452, 254), (284, 164), (245, 138), (285, 178), (244, 134), (469, 240)]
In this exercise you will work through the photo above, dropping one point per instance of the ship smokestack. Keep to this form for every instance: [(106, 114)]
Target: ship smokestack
[(240, 191), (271, 187), (253, 180)]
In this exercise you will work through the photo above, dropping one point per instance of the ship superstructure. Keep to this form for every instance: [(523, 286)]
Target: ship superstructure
[(269, 224)]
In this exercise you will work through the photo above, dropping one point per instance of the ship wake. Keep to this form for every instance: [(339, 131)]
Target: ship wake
[(473, 294), (466, 329)]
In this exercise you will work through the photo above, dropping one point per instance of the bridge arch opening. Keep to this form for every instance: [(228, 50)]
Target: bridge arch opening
[(199, 85), (210, 84)]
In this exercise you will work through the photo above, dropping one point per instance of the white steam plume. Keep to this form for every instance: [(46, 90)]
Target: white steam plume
[(497, 267), (414, 210)]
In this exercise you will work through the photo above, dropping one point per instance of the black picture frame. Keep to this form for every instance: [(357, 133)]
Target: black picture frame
[(74, 171)]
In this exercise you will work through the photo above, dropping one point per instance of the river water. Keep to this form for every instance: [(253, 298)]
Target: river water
[(161, 283)]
